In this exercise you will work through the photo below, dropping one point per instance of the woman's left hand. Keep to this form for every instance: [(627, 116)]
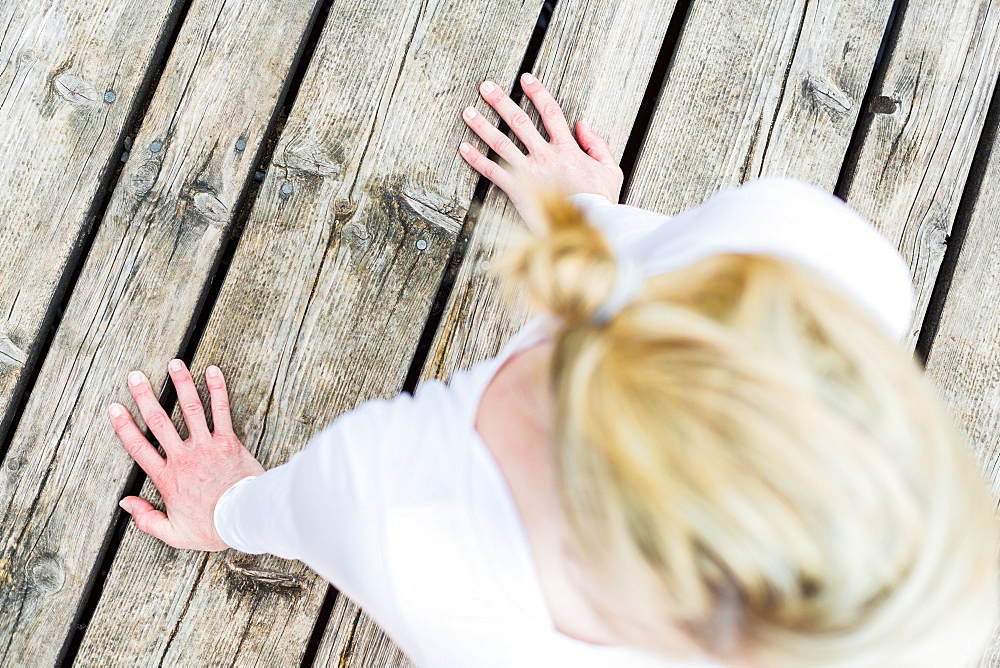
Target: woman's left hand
[(580, 164), (196, 471)]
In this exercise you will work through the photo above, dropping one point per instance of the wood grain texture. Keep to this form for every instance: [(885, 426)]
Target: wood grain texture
[(132, 307), (324, 303), (913, 162), (60, 141), (353, 640), (596, 60), (769, 87), (964, 360)]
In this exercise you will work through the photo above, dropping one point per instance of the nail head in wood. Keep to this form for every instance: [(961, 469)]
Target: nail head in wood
[(240, 144), (155, 147), (110, 96), (421, 244), (286, 188)]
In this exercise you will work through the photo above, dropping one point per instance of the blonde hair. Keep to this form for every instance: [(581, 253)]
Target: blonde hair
[(747, 454)]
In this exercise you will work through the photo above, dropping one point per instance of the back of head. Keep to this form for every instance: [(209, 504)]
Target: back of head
[(744, 454)]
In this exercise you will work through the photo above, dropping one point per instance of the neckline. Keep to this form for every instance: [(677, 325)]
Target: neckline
[(532, 333)]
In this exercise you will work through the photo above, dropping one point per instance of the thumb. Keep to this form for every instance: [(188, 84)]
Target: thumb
[(594, 144), (148, 519)]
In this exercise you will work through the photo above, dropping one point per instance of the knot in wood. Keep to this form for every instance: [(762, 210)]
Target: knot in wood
[(26, 57), (144, 178), (211, 208), (76, 90), (827, 94), (344, 208), (10, 354), (355, 239), (359, 230), (46, 573)]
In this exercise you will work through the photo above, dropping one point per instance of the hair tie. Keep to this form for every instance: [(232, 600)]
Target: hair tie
[(629, 280)]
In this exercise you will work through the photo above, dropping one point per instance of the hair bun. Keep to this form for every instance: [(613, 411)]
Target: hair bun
[(568, 267)]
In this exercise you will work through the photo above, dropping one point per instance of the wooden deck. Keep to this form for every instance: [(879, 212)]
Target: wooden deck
[(273, 186)]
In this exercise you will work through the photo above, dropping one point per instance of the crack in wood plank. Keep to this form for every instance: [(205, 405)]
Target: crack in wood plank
[(445, 213)]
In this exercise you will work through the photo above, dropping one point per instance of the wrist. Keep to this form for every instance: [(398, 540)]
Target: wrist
[(222, 515)]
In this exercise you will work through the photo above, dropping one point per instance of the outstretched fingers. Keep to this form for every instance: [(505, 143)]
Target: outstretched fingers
[(152, 412), (222, 420), (135, 444), (495, 139), (519, 122), (595, 145), (190, 401), (149, 520), (503, 179), (548, 109)]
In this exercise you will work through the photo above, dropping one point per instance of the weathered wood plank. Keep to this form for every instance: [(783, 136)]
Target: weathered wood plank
[(964, 360), (742, 99), (758, 88), (324, 303), (64, 100), (133, 306), (353, 640), (590, 81), (924, 126)]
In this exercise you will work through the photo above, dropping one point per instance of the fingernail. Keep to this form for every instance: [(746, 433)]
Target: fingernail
[(213, 371), (176, 365), (124, 504), (115, 410), (488, 86), (527, 78), (469, 112), (465, 147), (135, 378)]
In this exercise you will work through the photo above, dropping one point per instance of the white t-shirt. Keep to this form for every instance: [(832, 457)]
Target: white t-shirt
[(401, 506)]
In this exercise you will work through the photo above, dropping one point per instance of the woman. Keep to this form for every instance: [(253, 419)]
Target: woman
[(708, 449)]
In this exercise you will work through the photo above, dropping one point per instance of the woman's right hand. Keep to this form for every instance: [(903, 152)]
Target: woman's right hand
[(583, 164)]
